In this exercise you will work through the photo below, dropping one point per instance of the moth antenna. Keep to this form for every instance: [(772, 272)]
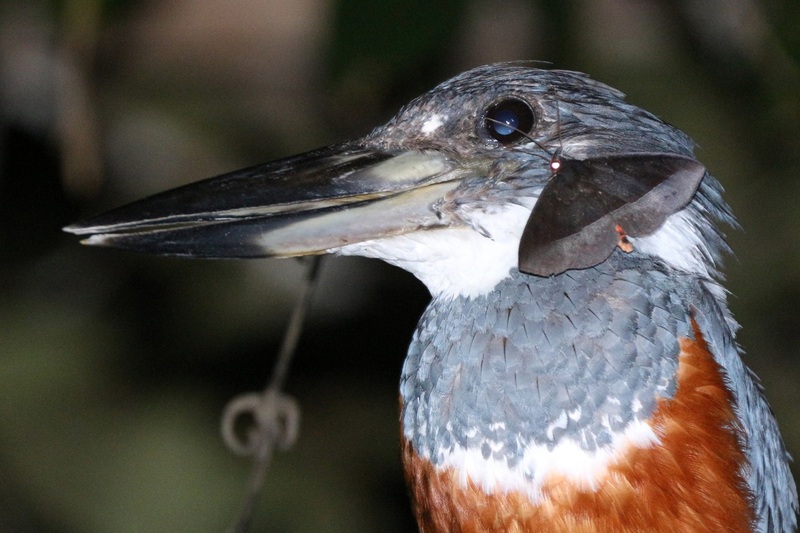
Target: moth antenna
[(555, 159), (530, 138), (558, 127), (555, 156)]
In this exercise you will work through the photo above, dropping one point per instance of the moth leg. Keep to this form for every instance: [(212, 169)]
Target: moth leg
[(623, 243)]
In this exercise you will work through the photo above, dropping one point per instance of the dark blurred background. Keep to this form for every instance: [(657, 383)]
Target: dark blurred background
[(114, 367)]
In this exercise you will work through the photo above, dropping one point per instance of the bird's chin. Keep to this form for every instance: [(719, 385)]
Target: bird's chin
[(460, 260)]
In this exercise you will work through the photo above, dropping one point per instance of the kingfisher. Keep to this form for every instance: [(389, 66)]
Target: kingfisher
[(577, 368)]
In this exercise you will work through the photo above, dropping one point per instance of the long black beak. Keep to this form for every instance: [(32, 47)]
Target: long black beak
[(306, 204)]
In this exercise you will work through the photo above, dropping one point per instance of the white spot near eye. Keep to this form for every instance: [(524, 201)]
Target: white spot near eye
[(432, 124)]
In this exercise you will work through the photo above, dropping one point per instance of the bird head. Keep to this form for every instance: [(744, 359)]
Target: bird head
[(503, 167)]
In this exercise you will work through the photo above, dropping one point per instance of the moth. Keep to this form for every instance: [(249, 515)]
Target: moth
[(589, 205)]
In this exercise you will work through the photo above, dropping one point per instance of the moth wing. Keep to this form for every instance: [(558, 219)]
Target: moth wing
[(573, 224)]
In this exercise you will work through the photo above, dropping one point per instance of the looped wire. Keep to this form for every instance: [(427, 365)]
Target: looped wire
[(274, 416)]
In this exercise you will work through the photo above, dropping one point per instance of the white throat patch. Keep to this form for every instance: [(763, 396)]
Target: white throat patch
[(456, 260)]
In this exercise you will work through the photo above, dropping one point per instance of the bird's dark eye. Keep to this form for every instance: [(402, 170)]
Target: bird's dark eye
[(509, 120)]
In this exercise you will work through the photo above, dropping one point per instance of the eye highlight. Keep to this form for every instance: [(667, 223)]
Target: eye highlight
[(508, 121)]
